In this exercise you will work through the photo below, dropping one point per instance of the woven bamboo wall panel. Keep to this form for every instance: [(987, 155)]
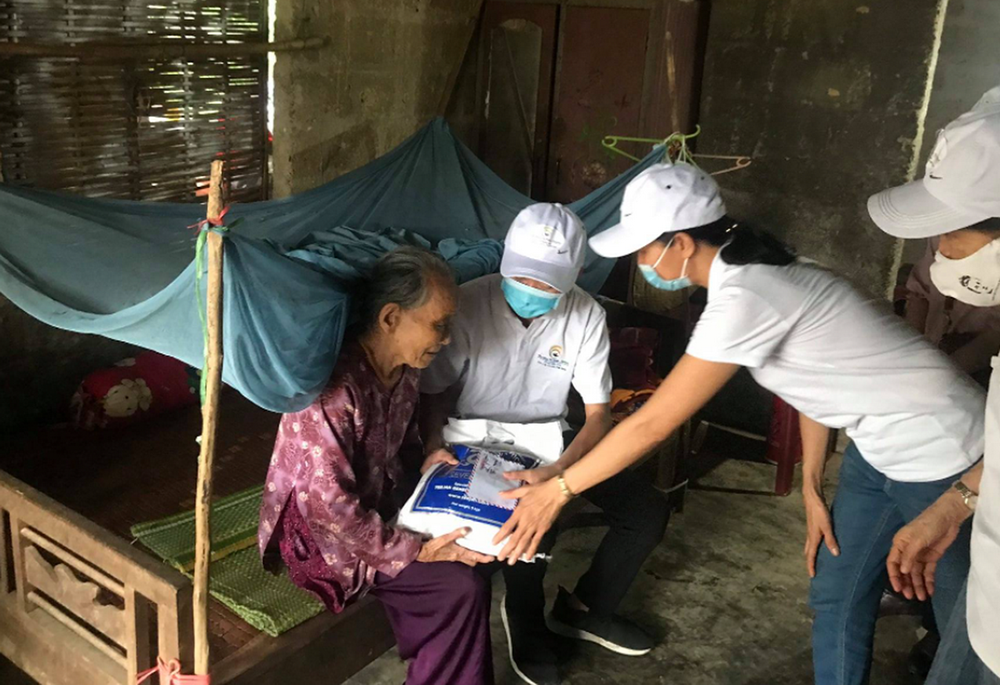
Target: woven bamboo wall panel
[(142, 129)]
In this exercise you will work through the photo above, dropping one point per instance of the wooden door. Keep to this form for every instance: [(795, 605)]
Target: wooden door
[(519, 48), (555, 77), (599, 92)]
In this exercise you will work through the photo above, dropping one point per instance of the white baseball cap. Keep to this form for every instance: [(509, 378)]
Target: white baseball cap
[(962, 183), (665, 198), (546, 242)]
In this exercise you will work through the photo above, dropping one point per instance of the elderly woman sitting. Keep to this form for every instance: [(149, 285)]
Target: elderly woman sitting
[(333, 486)]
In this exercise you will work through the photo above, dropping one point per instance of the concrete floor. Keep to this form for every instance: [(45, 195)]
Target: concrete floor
[(725, 595)]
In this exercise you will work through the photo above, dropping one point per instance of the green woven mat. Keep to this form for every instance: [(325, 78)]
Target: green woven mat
[(269, 603)]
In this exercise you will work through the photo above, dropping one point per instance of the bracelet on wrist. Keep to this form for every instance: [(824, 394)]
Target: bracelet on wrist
[(969, 497), (564, 488)]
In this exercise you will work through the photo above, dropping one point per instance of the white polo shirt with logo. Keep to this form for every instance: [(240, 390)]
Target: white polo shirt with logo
[(514, 373)]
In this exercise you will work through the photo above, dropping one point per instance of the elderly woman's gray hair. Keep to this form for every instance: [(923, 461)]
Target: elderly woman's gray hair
[(406, 277)]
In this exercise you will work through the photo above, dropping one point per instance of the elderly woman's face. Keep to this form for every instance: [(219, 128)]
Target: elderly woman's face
[(963, 243), (420, 333)]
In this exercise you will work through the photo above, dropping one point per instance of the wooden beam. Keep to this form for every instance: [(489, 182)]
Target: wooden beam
[(209, 417), (166, 50)]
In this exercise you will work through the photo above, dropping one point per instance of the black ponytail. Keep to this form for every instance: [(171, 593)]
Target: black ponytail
[(742, 244)]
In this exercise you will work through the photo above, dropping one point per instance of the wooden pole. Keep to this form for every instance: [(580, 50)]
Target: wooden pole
[(209, 420), (675, 117), (97, 51)]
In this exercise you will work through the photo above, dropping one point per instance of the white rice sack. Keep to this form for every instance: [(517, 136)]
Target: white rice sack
[(466, 496), (543, 440)]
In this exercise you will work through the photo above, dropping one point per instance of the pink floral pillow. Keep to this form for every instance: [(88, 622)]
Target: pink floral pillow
[(134, 389)]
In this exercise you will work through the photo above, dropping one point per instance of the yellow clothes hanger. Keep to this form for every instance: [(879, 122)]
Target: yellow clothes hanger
[(677, 150)]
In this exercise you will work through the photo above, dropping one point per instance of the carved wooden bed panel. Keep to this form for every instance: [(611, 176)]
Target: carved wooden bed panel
[(78, 604)]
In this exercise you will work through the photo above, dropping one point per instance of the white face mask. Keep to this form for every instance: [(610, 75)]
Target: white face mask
[(974, 280)]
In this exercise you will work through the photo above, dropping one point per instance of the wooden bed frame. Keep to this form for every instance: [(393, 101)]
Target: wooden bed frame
[(79, 605)]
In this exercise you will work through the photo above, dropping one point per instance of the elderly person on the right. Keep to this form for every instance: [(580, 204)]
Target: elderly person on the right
[(970, 335), (958, 201), (337, 477)]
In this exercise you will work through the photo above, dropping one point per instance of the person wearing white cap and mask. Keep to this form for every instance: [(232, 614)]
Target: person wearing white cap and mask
[(521, 340), (959, 200), (915, 421)]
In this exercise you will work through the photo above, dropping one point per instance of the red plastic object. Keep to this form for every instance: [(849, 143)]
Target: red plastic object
[(633, 353), (784, 444), (134, 389)]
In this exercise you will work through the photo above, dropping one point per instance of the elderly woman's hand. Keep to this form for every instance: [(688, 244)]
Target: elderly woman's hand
[(918, 546), (441, 455), (444, 548)]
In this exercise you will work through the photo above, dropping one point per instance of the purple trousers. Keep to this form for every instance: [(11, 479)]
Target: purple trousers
[(440, 614)]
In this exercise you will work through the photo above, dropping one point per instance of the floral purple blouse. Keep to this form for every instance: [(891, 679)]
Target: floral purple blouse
[(329, 494)]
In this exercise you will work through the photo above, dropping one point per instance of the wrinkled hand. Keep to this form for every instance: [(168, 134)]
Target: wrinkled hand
[(438, 456), (918, 546), (534, 514), (534, 476), (819, 529), (444, 548)]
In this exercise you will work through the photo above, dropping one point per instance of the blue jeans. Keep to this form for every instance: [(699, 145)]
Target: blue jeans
[(867, 511), (956, 662)]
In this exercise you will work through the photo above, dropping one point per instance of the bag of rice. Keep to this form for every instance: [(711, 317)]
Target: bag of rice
[(467, 495)]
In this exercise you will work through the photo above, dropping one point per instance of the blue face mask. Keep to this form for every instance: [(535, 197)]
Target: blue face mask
[(528, 302), (659, 282)]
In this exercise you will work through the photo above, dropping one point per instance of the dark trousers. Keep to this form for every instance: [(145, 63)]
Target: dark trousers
[(440, 614), (637, 514)]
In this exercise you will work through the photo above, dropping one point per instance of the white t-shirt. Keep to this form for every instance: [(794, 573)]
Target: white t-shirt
[(516, 373), (983, 604), (845, 362)]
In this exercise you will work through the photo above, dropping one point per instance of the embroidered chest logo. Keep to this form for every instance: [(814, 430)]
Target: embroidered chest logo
[(554, 359)]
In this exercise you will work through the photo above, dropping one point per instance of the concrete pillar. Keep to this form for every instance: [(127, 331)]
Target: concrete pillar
[(967, 67)]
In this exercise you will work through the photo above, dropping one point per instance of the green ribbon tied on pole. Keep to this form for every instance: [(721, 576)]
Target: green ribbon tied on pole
[(206, 226)]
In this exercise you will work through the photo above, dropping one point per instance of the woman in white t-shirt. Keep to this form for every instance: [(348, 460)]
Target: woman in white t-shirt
[(915, 421)]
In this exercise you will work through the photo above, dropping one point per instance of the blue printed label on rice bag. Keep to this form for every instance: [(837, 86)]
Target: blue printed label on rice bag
[(472, 488)]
